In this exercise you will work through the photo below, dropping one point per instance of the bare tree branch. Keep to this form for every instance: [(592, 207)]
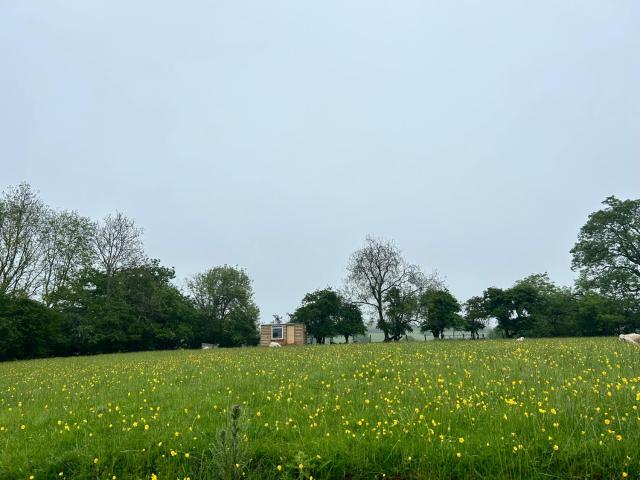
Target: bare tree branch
[(376, 269), (117, 243)]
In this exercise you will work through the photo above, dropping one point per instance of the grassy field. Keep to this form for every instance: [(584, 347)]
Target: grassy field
[(452, 409)]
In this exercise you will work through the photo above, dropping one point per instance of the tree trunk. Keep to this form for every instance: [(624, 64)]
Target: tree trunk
[(381, 320), (346, 339)]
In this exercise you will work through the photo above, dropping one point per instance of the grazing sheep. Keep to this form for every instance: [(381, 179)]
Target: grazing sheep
[(275, 344), (520, 339), (632, 338)]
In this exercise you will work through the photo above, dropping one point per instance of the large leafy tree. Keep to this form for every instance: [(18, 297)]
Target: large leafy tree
[(401, 313), (439, 310), (224, 298), (512, 308), (553, 310), (607, 252), (325, 314), (597, 315), (319, 312), (350, 321), (475, 316)]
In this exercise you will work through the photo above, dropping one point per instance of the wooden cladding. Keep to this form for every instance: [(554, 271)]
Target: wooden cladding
[(292, 334)]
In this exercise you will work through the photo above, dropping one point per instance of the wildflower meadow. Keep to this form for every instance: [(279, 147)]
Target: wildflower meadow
[(417, 410)]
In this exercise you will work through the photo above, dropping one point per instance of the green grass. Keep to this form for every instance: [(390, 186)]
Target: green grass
[(452, 409)]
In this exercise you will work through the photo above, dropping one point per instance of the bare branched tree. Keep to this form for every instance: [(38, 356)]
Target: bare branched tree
[(377, 268), (21, 213), (117, 243), (66, 250)]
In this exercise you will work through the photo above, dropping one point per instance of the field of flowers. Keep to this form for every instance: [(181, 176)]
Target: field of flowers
[(416, 410)]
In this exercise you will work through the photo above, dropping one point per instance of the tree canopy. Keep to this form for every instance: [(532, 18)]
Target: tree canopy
[(475, 316), (326, 314), (439, 310), (401, 308), (511, 308), (135, 308), (223, 297), (607, 253)]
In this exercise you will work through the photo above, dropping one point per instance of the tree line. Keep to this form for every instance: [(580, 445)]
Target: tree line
[(399, 298), (73, 285)]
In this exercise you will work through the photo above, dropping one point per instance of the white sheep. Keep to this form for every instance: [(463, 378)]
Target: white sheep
[(632, 338), (275, 344), (520, 339)]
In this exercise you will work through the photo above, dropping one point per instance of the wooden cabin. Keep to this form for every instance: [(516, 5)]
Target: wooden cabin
[(283, 333)]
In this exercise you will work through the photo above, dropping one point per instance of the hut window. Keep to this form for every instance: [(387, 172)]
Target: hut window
[(276, 332)]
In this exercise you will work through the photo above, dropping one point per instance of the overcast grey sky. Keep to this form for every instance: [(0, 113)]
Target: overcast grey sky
[(276, 135)]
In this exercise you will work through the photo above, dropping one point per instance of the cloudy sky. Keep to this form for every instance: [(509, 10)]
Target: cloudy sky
[(276, 135)]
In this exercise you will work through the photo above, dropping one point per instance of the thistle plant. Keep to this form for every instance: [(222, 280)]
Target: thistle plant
[(228, 453)]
